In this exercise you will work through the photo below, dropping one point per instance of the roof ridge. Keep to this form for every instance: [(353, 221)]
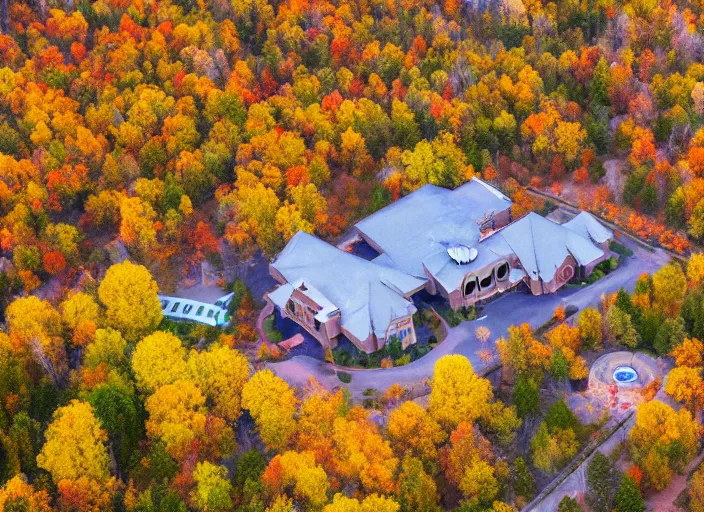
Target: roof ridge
[(369, 307), (532, 241)]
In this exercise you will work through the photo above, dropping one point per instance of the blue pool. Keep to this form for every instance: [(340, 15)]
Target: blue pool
[(625, 374)]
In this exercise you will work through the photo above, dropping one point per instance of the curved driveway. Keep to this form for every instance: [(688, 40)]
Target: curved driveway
[(511, 309)]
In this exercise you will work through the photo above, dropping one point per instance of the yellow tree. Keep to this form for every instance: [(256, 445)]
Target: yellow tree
[(34, 327), (289, 221), (521, 353), (657, 431), (176, 416), (684, 384), (272, 404), (282, 503), (80, 314), (213, 488), (75, 445), (669, 288), (108, 346), (564, 336), (159, 359), (467, 464), (416, 489), (457, 393), (372, 503), (221, 373), (17, 491), (695, 491), (590, 327), (137, 230), (130, 295), (695, 269), (299, 472), (568, 139), (361, 454), (688, 353), (316, 417), (413, 431)]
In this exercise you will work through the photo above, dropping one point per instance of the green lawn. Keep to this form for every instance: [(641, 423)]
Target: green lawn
[(270, 330)]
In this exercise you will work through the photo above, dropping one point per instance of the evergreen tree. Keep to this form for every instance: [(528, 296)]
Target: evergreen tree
[(526, 397), (601, 482), (649, 327), (670, 334), (624, 302), (559, 415), (568, 504), (693, 314), (628, 498), (599, 88), (559, 366), (523, 481)]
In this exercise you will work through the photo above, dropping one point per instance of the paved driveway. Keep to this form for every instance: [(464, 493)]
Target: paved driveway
[(511, 309)]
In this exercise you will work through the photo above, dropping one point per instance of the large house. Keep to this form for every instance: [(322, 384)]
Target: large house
[(462, 244)]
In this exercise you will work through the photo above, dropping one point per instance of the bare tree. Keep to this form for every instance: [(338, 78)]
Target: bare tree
[(46, 362)]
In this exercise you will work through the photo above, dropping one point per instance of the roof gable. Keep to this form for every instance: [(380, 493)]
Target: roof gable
[(588, 226), (543, 245), (429, 220), (369, 296)]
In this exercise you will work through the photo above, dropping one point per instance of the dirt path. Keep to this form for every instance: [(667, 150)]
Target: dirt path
[(268, 310), (664, 500)]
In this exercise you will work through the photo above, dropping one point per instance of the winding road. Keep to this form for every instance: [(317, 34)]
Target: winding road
[(511, 309)]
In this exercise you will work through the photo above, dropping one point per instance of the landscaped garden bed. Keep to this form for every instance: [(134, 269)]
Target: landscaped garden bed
[(455, 318), (270, 330), (429, 332)]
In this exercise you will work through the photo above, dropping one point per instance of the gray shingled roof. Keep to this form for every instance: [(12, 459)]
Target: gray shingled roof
[(429, 220), (589, 227), (369, 296), (541, 246), (450, 274)]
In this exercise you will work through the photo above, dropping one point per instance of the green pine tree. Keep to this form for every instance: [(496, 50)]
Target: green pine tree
[(628, 498)]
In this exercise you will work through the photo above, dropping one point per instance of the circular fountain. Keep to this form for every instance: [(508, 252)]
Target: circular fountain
[(623, 369), (618, 382), (625, 375)]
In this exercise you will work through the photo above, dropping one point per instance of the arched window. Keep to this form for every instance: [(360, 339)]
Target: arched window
[(502, 272), (487, 282), (567, 273), (470, 285)]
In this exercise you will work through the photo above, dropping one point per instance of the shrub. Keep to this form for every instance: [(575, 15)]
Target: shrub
[(553, 449), (403, 360), (344, 377), (526, 397), (559, 415), (270, 331), (569, 504), (523, 481), (620, 249)]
